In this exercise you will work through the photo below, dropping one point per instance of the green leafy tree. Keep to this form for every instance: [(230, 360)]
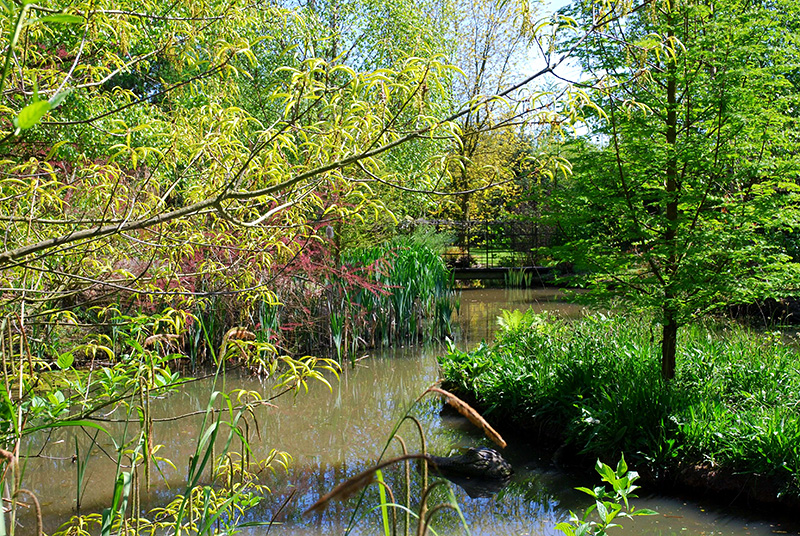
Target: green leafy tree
[(130, 164), (693, 172), (490, 44)]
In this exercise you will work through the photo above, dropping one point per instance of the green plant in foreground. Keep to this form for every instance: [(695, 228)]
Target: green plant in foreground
[(134, 367), (609, 506), (510, 320)]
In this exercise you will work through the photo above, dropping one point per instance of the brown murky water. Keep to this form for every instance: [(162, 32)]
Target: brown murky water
[(334, 435)]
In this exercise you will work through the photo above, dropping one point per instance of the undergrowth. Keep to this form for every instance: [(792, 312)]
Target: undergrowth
[(342, 303), (594, 384)]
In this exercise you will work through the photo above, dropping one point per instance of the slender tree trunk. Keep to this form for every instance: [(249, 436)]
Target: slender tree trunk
[(669, 343), (464, 197), (672, 188), (469, 143)]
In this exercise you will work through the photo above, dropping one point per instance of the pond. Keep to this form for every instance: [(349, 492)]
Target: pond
[(334, 435)]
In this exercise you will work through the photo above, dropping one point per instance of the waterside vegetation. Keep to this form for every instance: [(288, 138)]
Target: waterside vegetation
[(110, 362), (395, 293), (591, 388), (195, 186), (128, 371)]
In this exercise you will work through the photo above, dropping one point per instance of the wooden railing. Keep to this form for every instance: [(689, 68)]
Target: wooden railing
[(493, 243)]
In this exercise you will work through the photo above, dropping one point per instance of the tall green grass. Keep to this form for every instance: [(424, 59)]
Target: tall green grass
[(418, 298), (400, 292), (595, 385)]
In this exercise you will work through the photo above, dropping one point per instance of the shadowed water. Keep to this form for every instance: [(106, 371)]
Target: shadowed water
[(334, 435)]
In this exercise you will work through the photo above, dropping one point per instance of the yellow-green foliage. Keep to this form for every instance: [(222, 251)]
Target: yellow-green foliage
[(171, 153)]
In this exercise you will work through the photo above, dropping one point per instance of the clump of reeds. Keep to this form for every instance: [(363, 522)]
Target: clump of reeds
[(397, 293), (473, 416), (519, 278)]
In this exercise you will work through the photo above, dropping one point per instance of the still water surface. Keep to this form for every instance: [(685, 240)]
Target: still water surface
[(334, 435)]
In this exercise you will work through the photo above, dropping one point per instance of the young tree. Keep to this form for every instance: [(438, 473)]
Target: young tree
[(677, 205), (490, 45)]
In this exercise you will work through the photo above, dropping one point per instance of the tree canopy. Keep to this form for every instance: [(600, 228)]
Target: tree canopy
[(181, 151), (681, 204), (172, 149)]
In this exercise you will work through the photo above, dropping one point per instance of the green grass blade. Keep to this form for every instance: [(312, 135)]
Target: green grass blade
[(384, 509)]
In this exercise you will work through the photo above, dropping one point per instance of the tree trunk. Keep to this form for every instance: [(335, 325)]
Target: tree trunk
[(669, 346), (672, 189), (463, 203)]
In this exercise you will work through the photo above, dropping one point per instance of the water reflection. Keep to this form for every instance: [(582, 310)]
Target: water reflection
[(479, 309), (335, 435)]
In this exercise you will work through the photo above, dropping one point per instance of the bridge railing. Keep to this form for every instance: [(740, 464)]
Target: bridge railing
[(492, 243)]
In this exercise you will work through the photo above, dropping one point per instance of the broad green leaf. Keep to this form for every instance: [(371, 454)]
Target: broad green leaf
[(602, 511), (62, 18), (583, 530), (622, 467), (384, 509), (30, 115), (65, 360), (62, 424), (566, 528), (57, 99)]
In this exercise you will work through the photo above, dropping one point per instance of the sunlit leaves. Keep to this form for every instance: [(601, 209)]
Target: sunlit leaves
[(676, 205), (300, 371), (31, 114), (159, 118)]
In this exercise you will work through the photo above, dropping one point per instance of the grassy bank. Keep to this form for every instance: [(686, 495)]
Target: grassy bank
[(730, 421)]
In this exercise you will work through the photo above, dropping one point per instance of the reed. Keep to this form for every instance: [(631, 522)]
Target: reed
[(472, 416), (519, 278), (431, 503), (397, 293)]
